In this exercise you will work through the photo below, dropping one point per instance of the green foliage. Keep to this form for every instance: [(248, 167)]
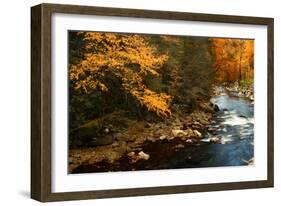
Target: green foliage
[(188, 73), (197, 74), (247, 82)]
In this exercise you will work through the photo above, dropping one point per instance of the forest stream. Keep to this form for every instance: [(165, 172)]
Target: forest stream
[(227, 141)]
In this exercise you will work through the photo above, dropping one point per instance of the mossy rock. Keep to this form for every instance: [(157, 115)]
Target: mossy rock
[(92, 133)]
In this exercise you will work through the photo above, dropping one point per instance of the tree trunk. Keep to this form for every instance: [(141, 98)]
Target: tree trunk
[(240, 68)]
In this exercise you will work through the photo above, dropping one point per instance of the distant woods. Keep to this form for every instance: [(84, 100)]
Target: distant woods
[(234, 60), (149, 76)]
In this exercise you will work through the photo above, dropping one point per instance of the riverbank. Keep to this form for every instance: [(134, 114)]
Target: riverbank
[(234, 89), (131, 144)]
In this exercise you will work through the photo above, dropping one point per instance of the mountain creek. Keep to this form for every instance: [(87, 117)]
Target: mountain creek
[(203, 139)]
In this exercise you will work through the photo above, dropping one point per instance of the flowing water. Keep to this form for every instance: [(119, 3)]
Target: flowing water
[(228, 140), (233, 127)]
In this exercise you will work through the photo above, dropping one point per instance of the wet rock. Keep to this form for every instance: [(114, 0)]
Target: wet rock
[(163, 137), (204, 121), (189, 132), (115, 144), (243, 116), (216, 108), (178, 133), (169, 138), (215, 140), (180, 146), (131, 154), (197, 133), (189, 141), (198, 124), (249, 162), (151, 139), (106, 130), (195, 126), (135, 157)]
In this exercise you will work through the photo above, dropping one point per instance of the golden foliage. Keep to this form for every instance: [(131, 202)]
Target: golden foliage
[(128, 58), (154, 102)]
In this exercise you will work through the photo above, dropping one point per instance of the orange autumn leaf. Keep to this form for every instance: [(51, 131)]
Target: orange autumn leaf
[(234, 59)]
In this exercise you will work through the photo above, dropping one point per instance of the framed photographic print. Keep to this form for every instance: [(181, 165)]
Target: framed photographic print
[(132, 102)]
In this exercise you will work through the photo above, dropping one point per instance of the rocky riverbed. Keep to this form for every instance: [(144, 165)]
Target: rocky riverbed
[(219, 133), (130, 143)]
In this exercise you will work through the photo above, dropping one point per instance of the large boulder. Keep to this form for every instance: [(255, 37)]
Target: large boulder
[(99, 131), (215, 107), (102, 140)]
